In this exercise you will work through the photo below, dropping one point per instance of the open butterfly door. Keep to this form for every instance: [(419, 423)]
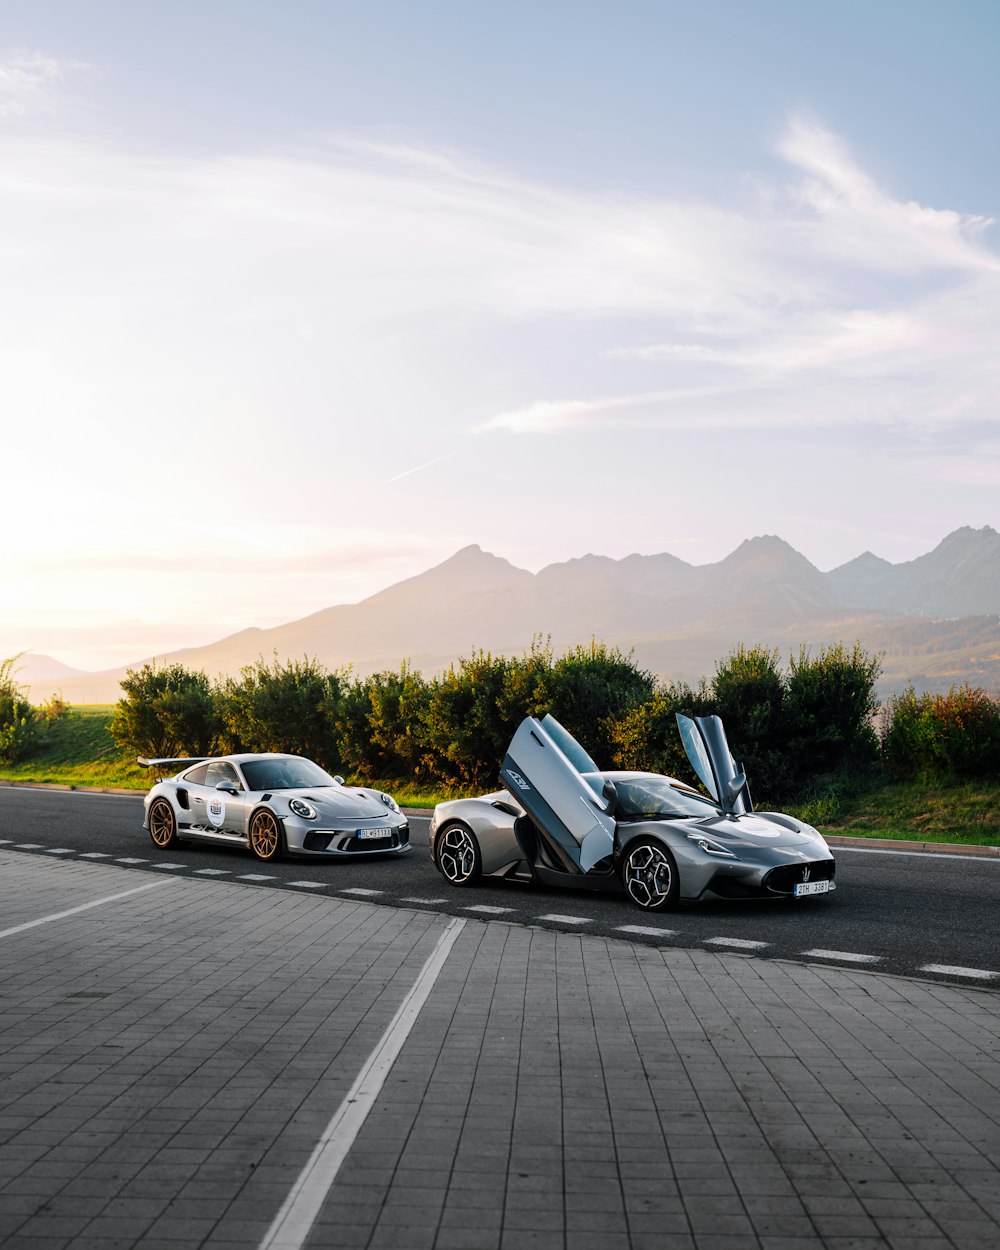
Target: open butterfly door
[(547, 781)]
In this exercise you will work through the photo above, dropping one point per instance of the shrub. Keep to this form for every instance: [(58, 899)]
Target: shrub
[(381, 725), (828, 709), (289, 707), (18, 720), (953, 736), (165, 712)]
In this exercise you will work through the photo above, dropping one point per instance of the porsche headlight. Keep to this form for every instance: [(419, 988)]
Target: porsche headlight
[(390, 802), (710, 847), (301, 808)]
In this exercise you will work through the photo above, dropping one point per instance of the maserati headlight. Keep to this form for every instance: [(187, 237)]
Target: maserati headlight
[(390, 802), (301, 808), (710, 847)]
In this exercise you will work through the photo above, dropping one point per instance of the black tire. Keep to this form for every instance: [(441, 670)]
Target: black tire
[(267, 838), (649, 875), (458, 856), (163, 824)]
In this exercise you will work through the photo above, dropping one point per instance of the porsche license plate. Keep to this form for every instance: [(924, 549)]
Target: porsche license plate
[(811, 887), (373, 834)]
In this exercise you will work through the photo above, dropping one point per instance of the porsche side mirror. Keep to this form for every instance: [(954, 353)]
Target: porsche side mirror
[(227, 787)]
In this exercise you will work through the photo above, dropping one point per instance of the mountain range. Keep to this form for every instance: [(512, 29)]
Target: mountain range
[(936, 618)]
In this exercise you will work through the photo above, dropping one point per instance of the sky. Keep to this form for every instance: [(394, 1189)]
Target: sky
[(298, 298)]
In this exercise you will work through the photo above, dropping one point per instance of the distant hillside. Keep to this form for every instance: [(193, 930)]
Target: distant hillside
[(937, 617)]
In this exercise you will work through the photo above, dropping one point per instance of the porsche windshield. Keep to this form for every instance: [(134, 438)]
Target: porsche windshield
[(287, 772), (655, 798)]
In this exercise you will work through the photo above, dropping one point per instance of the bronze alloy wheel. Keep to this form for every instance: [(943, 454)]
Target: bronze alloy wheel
[(458, 855), (162, 825), (265, 835), (649, 874)]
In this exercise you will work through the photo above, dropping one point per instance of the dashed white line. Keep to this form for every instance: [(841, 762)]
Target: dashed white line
[(846, 957), (96, 855), (257, 876), (72, 911), (740, 943), (298, 1213), (954, 970), (363, 893), (309, 885), (557, 919), (483, 910), (170, 867), (6, 842), (60, 850), (212, 872), (426, 902), (646, 930), (131, 861), (29, 846)]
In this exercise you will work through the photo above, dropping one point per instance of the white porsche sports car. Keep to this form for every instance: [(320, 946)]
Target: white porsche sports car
[(273, 804)]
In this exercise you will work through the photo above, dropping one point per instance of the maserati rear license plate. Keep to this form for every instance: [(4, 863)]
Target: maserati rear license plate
[(811, 887), (373, 833)]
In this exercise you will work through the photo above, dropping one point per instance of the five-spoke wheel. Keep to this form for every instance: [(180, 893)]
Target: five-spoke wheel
[(265, 835), (649, 875), (458, 855), (162, 824)]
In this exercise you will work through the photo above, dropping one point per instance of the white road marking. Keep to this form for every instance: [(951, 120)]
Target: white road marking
[(6, 842), (96, 855), (29, 846), (365, 893), (953, 970), (646, 930), (426, 901), (72, 911), (212, 872), (483, 910), (257, 876), (60, 850), (847, 957), (169, 867), (554, 916), (309, 885), (131, 861), (298, 1213), (741, 943)]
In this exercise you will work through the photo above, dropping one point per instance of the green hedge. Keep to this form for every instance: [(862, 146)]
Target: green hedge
[(792, 727)]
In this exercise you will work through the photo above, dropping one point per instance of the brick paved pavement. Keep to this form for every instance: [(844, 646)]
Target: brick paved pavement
[(168, 1061)]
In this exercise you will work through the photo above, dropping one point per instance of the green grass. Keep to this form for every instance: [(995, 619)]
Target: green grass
[(966, 812), (77, 751)]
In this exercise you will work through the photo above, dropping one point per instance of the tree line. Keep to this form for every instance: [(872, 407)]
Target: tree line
[(790, 725)]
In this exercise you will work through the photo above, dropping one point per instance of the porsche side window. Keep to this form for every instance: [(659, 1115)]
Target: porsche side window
[(196, 776), (221, 771)]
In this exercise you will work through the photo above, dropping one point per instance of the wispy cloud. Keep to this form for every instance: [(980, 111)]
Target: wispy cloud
[(28, 82)]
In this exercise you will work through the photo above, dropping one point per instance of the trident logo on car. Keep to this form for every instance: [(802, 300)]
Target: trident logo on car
[(805, 874)]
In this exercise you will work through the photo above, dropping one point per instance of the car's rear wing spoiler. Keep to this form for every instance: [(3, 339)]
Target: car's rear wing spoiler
[(161, 764)]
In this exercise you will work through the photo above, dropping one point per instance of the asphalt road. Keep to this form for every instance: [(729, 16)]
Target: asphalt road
[(895, 912)]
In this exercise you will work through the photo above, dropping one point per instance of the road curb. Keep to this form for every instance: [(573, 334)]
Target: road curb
[(900, 844)]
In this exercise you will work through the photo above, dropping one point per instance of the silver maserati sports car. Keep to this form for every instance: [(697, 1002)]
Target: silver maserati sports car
[(560, 821), (273, 804)]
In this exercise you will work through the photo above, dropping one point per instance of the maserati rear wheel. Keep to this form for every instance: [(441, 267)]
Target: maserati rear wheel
[(459, 856), (649, 875), (162, 824), (265, 835)]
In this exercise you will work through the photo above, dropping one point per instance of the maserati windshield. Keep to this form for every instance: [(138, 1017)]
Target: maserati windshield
[(286, 772), (655, 798)]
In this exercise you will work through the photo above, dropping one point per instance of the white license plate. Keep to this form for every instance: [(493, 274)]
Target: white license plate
[(373, 833), (812, 887)]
